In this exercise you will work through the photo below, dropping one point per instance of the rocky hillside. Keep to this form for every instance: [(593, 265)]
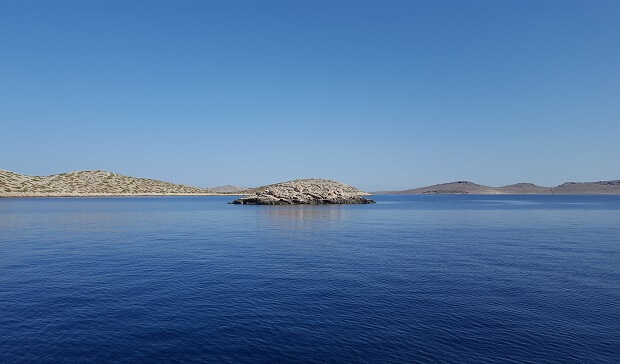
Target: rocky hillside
[(305, 191), (88, 183)]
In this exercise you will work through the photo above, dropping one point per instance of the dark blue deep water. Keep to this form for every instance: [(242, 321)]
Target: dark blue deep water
[(441, 279)]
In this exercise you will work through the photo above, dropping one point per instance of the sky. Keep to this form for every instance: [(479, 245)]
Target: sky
[(379, 94)]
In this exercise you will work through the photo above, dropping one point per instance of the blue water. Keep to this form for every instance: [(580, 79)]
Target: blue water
[(438, 279)]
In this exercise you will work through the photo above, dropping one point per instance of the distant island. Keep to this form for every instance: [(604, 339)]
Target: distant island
[(466, 187), (311, 191), (227, 189)]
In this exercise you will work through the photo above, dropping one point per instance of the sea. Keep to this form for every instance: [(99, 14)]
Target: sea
[(410, 279)]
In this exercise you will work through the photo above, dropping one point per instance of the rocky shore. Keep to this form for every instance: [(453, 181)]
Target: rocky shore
[(305, 191)]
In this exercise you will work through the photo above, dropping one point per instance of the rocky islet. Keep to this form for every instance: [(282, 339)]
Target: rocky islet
[(310, 191)]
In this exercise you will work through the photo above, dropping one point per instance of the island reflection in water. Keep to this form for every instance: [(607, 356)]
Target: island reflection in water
[(296, 216)]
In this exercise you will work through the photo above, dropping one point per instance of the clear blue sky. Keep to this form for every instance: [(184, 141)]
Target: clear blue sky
[(378, 94)]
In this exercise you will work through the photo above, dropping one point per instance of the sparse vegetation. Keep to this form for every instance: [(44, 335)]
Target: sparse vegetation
[(88, 183)]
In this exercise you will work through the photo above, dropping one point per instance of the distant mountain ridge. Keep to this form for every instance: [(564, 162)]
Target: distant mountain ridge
[(467, 187), (228, 189), (88, 183)]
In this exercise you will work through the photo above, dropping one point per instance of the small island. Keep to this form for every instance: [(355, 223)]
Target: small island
[(310, 191)]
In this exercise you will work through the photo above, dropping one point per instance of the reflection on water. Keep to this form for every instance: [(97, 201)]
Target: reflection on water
[(287, 217), (299, 212)]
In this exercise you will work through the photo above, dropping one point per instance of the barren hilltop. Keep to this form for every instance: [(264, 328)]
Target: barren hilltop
[(88, 183), (466, 187)]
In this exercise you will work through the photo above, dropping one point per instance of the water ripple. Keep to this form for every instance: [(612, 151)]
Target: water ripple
[(430, 279)]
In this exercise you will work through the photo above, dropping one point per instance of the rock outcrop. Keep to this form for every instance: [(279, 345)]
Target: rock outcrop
[(305, 191)]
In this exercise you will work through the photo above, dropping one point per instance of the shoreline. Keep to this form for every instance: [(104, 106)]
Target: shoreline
[(98, 183), (99, 195), (88, 195)]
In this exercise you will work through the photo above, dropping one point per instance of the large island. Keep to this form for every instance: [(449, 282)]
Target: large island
[(89, 184)]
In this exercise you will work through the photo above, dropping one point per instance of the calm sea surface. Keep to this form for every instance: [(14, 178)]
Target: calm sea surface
[(441, 279)]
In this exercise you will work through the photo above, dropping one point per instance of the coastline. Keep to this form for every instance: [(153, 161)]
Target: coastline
[(116, 195), (111, 195), (98, 183)]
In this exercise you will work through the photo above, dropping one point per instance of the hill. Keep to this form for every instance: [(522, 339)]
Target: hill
[(227, 189), (311, 191), (466, 187), (525, 188), (601, 187), (459, 187), (88, 183)]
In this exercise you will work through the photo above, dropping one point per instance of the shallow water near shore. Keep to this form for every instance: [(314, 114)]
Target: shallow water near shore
[(441, 279)]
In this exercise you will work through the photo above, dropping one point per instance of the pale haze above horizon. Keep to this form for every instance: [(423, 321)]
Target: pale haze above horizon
[(377, 94)]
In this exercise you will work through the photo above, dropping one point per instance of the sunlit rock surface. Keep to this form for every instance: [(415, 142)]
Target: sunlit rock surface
[(305, 191)]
